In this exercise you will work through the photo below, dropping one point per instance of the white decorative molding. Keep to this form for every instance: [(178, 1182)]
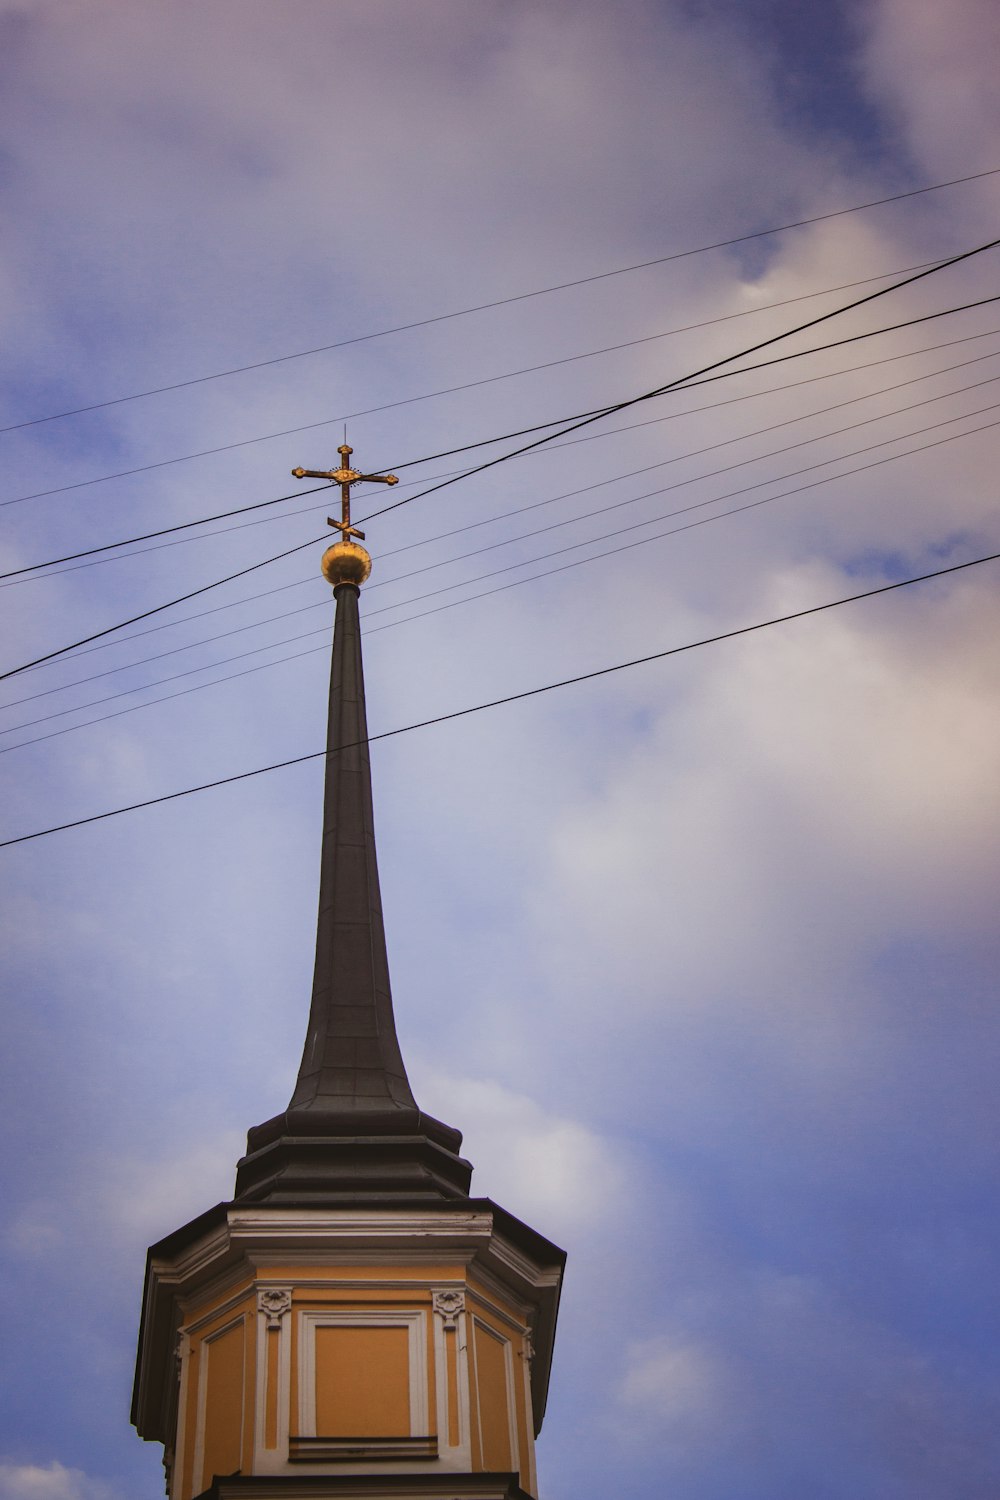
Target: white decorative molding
[(274, 1307), (449, 1306), (529, 1479), (231, 1291), (488, 1294), (352, 1450), (274, 1302), (182, 1436)]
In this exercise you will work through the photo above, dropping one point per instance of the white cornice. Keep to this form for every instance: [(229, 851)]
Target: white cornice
[(255, 1241)]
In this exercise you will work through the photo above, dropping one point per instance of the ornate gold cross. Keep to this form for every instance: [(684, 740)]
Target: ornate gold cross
[(345, 477)]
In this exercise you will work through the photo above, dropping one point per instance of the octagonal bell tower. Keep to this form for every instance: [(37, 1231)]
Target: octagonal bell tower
[(353, 1323)]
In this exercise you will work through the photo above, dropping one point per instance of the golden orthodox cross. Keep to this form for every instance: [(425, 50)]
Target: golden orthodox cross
[(345, 477)]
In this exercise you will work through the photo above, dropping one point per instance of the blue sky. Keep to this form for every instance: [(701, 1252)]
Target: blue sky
[(702, 956), (815, 59)]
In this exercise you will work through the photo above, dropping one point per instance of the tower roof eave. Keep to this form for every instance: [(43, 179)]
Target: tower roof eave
[(220, 1239)]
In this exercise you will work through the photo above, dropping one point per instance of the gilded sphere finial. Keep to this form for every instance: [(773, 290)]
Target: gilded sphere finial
[(346, 562)]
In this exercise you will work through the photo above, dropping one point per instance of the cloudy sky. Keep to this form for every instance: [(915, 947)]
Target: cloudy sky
[(699, 955)]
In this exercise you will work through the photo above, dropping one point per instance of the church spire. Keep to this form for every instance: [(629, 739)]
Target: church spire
[(353, 1324), (352, 1128)]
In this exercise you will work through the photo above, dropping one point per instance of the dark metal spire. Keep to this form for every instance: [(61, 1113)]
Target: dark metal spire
[(352, 1130), (351, 1063)]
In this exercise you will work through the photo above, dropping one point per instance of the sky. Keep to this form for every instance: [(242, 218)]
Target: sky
[(700, 955)]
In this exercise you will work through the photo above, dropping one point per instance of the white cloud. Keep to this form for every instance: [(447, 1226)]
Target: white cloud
[(935, 67), (51, 1482), (553, 1171), (114, 1206), (39, 1230), (760, 1362), (673, 1384), (143, 1199), (847, 760)]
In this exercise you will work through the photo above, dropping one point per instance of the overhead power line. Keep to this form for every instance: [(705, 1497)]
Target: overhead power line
[(159, 608), (470, 525), (610, 551), (602, 556), (607, 551), (538, 442), (532, 506), (685, 381), (450, 390), (523, 431), (498, 302), (549, 687), (147, 536), (816, 349)]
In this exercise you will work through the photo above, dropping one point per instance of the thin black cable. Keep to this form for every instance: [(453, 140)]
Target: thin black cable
[(147, 536), (499, 302), (711, 474), (183, 541), (201, 614), (711, 379), (679, 382), (504, 437), (451, 390), (157, 609), (601, 556), (569, 443), (503, 515), (486, 521), (535, 505), (685, 382), (549, 687), (491, 464), (683, 484), (608, 551), (144, 661), (601, 410), (689, 383)]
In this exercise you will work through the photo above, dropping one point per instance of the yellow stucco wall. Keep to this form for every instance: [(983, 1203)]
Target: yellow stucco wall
[(362, 1382), (493, 1398), (224, 1377), (362, 1371)]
